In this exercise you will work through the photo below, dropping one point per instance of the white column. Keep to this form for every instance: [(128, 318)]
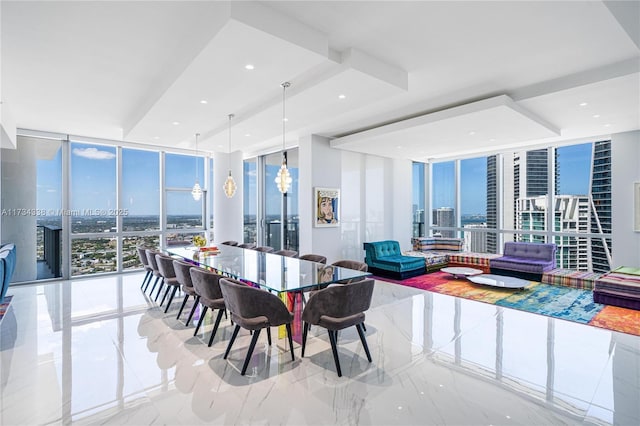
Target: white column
[(228, 215)]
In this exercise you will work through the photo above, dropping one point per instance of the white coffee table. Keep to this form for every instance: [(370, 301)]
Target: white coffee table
[(499, 281), (460, 271)]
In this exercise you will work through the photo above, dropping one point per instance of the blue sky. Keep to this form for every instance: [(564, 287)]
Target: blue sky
[(93, 181)]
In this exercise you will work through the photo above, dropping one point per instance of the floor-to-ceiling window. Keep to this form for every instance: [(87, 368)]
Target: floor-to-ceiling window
[(185, 216), (139, 202), (555, 194), (250, 200), (418, 208)]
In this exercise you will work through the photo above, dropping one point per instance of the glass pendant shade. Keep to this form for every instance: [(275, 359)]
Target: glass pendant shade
[(283, 178), (229, 186), (196, 192)]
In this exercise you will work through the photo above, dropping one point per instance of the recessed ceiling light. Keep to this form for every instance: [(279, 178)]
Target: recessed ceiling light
[(175, 123), (247, 135), (249, 67), (399, 146), (220, 146), (596, 115), (607, 125), (342, 97), (156, 137), (471, 133), (285, 119), (583, 104), (492, 140), (204, 101)]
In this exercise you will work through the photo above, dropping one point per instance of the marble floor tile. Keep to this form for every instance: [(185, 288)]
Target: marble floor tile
[(100, 351)]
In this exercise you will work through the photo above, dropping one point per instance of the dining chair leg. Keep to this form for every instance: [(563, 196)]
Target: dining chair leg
[(254, 339), (361, 330), (290, 336), (193, 310), (173, 293), (305, 329), (153, 287), (166, 292), (146, 277), (269, 335), (215, 326), (204, 311), (184, 303), (334, 349), (159, 289), (233, 339)]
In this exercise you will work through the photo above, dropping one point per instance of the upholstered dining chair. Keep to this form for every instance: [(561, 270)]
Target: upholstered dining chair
[(247, 245), (265, 249), (151, 258), (336, 308), (142, 255), (184, 279), (254, 309), (314, 258), (207, 286), (230, 243), (286, 253), (351, 264), (165, 266)]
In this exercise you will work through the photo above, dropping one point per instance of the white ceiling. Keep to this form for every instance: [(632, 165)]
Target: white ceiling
[(422, 80)]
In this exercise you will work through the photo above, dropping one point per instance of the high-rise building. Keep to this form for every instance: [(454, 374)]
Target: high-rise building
[(445, 217), (475, 241), (601, 197), (570, 214), (491, 238)]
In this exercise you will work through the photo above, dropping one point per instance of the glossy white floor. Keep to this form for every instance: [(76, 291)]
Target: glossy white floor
[(99, 351)]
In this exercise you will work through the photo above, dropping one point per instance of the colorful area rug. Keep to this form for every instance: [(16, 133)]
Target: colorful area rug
[(554, 301), (4, 306)]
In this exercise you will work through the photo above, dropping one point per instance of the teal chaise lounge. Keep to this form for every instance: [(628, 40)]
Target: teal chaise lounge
[(384, 258)]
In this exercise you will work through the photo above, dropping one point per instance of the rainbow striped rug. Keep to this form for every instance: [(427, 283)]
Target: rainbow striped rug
[(4, 306), (554, 301)]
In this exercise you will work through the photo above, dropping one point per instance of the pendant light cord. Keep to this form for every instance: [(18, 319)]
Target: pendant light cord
[(284, 118)]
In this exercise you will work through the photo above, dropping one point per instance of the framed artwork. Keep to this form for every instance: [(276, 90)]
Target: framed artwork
[(327, 207), (636, 210)]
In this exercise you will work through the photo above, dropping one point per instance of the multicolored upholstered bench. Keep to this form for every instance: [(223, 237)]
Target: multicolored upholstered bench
[(570, 278), (385, 258), (620, 287), (433, 260), (472, 260), (437, 243)]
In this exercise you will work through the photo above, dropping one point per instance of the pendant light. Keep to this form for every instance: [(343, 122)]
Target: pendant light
[(196, 192), (283, 178), (230, 184)]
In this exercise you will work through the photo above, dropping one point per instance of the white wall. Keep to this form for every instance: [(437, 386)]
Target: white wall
[(625, 159), (375, 199), (19, 179)]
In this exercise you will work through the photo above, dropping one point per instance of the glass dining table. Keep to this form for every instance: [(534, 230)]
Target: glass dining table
[(289, 277)]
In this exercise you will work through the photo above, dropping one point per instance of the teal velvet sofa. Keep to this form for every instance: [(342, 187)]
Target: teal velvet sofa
[(384, 258), (7, 265)]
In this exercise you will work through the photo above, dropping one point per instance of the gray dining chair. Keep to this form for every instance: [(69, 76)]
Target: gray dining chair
[(336, 308), (230, 243), (286, 253), (247, 245), (184, 279), (264, 249), (254, 309), (351, 264), (142, 255), (151, 257), (207, 286), (165, 265), (314, 258)]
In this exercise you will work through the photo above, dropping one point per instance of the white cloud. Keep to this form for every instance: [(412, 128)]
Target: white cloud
[(93, 153)]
